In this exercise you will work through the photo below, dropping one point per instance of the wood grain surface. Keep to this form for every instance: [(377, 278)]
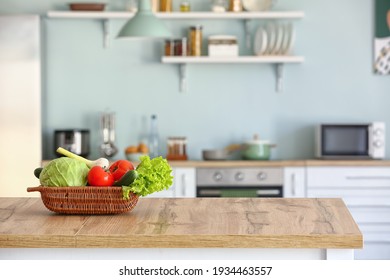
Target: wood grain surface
[(185, 223)]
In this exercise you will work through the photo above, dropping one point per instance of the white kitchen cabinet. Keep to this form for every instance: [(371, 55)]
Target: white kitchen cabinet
[(366, 192), (184, 184), (294, 182)]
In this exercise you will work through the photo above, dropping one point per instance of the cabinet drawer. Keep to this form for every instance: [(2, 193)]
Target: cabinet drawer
[(375, 232), (372, 218), (363, 196), (348, 177)]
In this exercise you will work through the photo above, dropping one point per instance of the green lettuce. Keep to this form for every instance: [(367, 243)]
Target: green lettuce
[(154, 175), (64, 172)]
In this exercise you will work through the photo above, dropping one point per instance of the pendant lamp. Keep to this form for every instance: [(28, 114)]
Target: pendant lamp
[(144, 24)]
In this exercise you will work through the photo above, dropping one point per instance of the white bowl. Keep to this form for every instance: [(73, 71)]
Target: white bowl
[(135, 156), (257, 5)]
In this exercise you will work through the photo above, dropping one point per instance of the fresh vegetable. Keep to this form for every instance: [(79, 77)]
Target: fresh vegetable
[(64, 172), (38, 171), (153, 175), (127, 179), (102, 162), (120, 167), (98, 176)]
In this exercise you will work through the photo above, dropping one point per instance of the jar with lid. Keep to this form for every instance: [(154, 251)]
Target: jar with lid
[(177, 148), (165, 5), (185, 6), (235, 6), (180, 47), (195, 40), (169, 49)]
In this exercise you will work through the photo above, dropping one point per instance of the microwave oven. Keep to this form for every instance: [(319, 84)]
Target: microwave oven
[(349, 141)]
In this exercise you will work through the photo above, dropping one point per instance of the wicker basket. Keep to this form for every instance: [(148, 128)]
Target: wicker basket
[(85, 200)]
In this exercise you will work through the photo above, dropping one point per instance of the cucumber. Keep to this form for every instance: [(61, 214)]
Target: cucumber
[(38, 171), (127, 178)]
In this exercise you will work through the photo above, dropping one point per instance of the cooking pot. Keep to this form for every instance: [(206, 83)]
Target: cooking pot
[(215, 154), (220, 154), (73, 140), (257, 149)]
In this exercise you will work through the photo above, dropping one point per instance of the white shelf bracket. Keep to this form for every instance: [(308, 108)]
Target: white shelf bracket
[(106, 33), (247, 33), (279, 77), (183, 77)]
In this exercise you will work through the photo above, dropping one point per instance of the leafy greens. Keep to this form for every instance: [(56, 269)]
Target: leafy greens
[(154, 175), (64, 172)]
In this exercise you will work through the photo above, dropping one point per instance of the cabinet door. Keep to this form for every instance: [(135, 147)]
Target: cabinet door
[(358, 186), (318, 177), (294, 182), (366, 192), (184, 182)]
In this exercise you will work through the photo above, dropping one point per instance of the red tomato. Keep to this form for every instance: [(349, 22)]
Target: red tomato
[(97, 176), (120, 167)]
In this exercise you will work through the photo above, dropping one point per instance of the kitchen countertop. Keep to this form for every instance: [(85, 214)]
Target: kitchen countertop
[(185, 223)]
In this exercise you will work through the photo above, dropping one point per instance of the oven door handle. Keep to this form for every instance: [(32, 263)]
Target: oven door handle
[(267, 192), (210, 192)]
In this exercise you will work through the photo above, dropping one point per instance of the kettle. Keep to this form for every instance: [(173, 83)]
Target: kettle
[(76, 141)]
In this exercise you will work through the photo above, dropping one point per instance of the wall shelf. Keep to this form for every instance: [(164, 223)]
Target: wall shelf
[(180, 15), (279, 62), (235, 59), (246, 16)]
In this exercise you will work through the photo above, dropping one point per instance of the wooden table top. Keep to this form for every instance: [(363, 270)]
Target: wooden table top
[(185, 223)]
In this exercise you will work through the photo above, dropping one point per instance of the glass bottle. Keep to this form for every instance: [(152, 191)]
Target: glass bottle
[(153, 138)]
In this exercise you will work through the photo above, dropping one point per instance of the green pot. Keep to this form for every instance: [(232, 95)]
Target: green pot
[(257, 150)]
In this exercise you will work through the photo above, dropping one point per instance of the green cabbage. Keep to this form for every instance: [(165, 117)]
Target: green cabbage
[(154, 175), (64, 172)]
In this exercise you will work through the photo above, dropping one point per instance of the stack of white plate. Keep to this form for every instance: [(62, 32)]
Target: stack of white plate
[(274, 39)]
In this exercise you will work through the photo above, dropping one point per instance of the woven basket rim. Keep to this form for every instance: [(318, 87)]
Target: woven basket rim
[(86, 200)]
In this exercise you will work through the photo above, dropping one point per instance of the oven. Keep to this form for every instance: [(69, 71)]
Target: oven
[(239, 182)]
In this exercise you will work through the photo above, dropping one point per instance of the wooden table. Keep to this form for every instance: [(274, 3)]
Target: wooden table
[(184, 228)]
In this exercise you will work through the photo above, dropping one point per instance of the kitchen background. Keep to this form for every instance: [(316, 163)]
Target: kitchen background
[(225, 103)]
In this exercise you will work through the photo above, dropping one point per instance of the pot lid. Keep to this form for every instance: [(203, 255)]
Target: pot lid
[(256, 141)]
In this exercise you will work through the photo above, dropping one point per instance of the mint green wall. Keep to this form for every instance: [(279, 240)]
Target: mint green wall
[(224, 103)]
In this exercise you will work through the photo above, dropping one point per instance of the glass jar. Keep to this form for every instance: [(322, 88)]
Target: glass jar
[(169, 49), (235, 6), (177, 148), (165, 5), (181, 47), (185, 6), (195, 40)]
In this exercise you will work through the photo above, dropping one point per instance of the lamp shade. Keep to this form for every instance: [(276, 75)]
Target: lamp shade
[(144, 24)]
